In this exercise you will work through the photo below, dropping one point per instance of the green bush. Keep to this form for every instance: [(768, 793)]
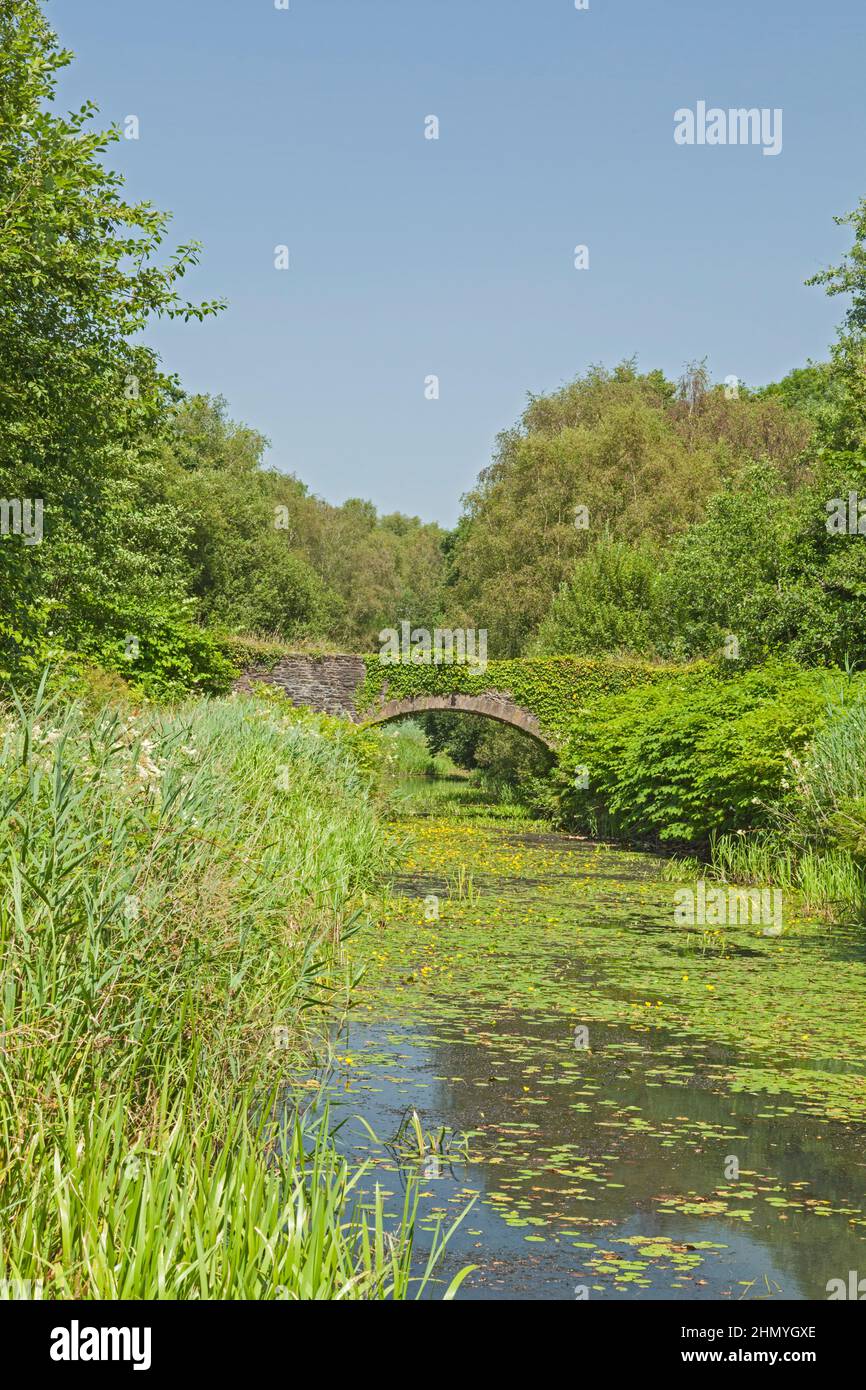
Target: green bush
[(695, 755), (163, 654)]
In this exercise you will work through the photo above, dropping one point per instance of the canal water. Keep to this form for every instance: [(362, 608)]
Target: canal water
[(613, 1105)]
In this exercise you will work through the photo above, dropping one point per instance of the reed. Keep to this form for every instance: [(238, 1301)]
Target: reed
[(828, 880), (817, 845), (176, 895)]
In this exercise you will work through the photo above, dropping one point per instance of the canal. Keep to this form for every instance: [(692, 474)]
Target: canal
[(616, 1105)]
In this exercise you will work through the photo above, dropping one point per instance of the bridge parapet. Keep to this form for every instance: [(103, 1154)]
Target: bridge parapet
[(324, 683), (543, 696)]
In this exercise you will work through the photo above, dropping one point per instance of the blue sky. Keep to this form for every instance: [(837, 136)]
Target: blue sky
[(413, 257)]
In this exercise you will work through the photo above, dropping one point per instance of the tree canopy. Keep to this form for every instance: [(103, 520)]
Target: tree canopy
[(624, 512)]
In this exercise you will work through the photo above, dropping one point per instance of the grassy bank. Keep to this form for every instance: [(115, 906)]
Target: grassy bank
[(407, 755), (176, 894)]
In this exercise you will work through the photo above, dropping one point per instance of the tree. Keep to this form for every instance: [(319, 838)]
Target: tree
[(266, 556), (639, 459), (244, 549), (846, 428), (609, 605), (80, 399), (764, 567)]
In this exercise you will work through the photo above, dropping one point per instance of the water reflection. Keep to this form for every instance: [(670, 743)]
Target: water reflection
[(628, 1168)]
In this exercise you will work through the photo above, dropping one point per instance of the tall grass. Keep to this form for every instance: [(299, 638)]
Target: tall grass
[(407, 753), (828, 879), (817, 846), (174, 890), (760, 857), (829, 805)]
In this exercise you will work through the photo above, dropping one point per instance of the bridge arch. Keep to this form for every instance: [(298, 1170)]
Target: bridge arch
[(544, 697), (493, 706)]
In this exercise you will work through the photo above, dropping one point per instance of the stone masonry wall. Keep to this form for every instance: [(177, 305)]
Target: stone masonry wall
[(325, 683)]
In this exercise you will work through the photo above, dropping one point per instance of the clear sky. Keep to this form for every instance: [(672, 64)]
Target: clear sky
[(412, 257)]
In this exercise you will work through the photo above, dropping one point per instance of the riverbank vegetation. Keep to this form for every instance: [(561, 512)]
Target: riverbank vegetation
[(758, 772), (181, 869), (178, 895), (626, 514)]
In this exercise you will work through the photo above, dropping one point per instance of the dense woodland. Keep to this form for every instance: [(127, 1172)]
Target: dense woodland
[(706, 503), (623, 513)]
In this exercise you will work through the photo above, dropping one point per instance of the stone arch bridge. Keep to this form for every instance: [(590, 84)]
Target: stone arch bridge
[(542, 696), (494, 704), (339, 684)]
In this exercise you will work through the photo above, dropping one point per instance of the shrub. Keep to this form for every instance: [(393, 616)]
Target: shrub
[(695, 755)]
